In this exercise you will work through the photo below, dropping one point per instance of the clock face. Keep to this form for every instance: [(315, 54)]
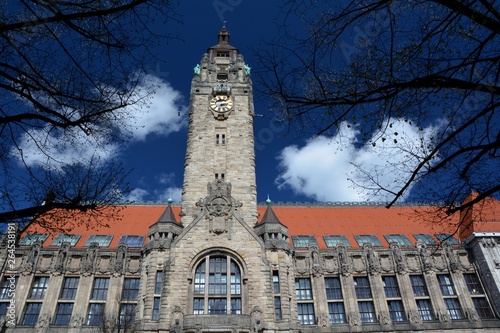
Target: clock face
[(221, 103)]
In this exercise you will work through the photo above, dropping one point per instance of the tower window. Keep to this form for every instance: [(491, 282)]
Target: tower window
[(222, 176), (217, 139), (216, 176), (223, 139), (217, 286), (221, 76)]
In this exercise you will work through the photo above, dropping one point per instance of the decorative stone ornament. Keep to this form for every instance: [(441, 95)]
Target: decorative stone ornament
[(219, 206)]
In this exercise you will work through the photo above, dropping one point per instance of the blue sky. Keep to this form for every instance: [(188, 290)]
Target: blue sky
[(289, 168)]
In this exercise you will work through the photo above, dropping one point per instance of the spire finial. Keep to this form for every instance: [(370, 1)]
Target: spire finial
[(224, 24), (268, 201)]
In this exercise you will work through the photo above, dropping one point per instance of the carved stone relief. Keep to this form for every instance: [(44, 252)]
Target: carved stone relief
[(427, 261), (177, 322), (372, 260), (452, 258), (399, 259), (31, 258), (257, 322), (316, 266), (345, 261), (120, 259), (61, 258), (89, 260)]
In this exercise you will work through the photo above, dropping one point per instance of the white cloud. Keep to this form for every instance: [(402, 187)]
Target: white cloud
[(137, 195), (327, 169), (51, 148), (161, 116)]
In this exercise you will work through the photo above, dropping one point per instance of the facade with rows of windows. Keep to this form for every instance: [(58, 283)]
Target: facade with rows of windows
[(221, 263)]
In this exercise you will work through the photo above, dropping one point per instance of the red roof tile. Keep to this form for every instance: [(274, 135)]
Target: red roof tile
[(306, 220)]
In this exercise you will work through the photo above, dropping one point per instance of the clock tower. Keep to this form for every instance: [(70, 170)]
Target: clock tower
[(220, 142)]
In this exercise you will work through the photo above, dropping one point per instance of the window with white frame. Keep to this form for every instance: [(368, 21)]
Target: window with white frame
[(303, 241), (30, 239), (217, 286)]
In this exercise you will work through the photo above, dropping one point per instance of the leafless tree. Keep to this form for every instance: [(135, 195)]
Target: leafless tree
[(70, 69), (367, 63)]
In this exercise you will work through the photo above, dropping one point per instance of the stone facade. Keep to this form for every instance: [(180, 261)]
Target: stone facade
[(221, 269)]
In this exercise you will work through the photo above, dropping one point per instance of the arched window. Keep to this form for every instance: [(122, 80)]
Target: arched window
[(217, 286)]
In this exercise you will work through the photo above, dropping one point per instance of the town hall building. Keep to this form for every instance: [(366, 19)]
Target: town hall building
[(220, 262)]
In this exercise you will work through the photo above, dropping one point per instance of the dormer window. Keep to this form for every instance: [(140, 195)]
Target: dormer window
[(222, 54)]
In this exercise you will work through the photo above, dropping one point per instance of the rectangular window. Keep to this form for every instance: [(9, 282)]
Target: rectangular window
[(69, 288), (418, 285), (362, 287), (217, 276), (63, 314), (398, 239), (223, 140), (303, 241), (425, 238), (156, 308), (65, 238), (447, 237), (335, 240), (236, 305), (445, 285), (396, 311), (30, 239), (101, 240), (333, 288), (198, 306), (199, 279), (370, 239), (453, 308), (216, 139), (482, 308), (303, 289), (31, 314), (336, 312), (478, 298), (39, 287), (95, 315), (127, 314), (473, 284), (217, 306), (8, 286), (276, 282), (131, 289), (366, 312), (158, 282), (391, 288), (235, 279), (425, 309), (306, 313), (132, 241), (277, 307), (100, 289)]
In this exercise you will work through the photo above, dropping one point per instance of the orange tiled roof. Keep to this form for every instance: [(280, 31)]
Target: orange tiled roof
[(304, 220)]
